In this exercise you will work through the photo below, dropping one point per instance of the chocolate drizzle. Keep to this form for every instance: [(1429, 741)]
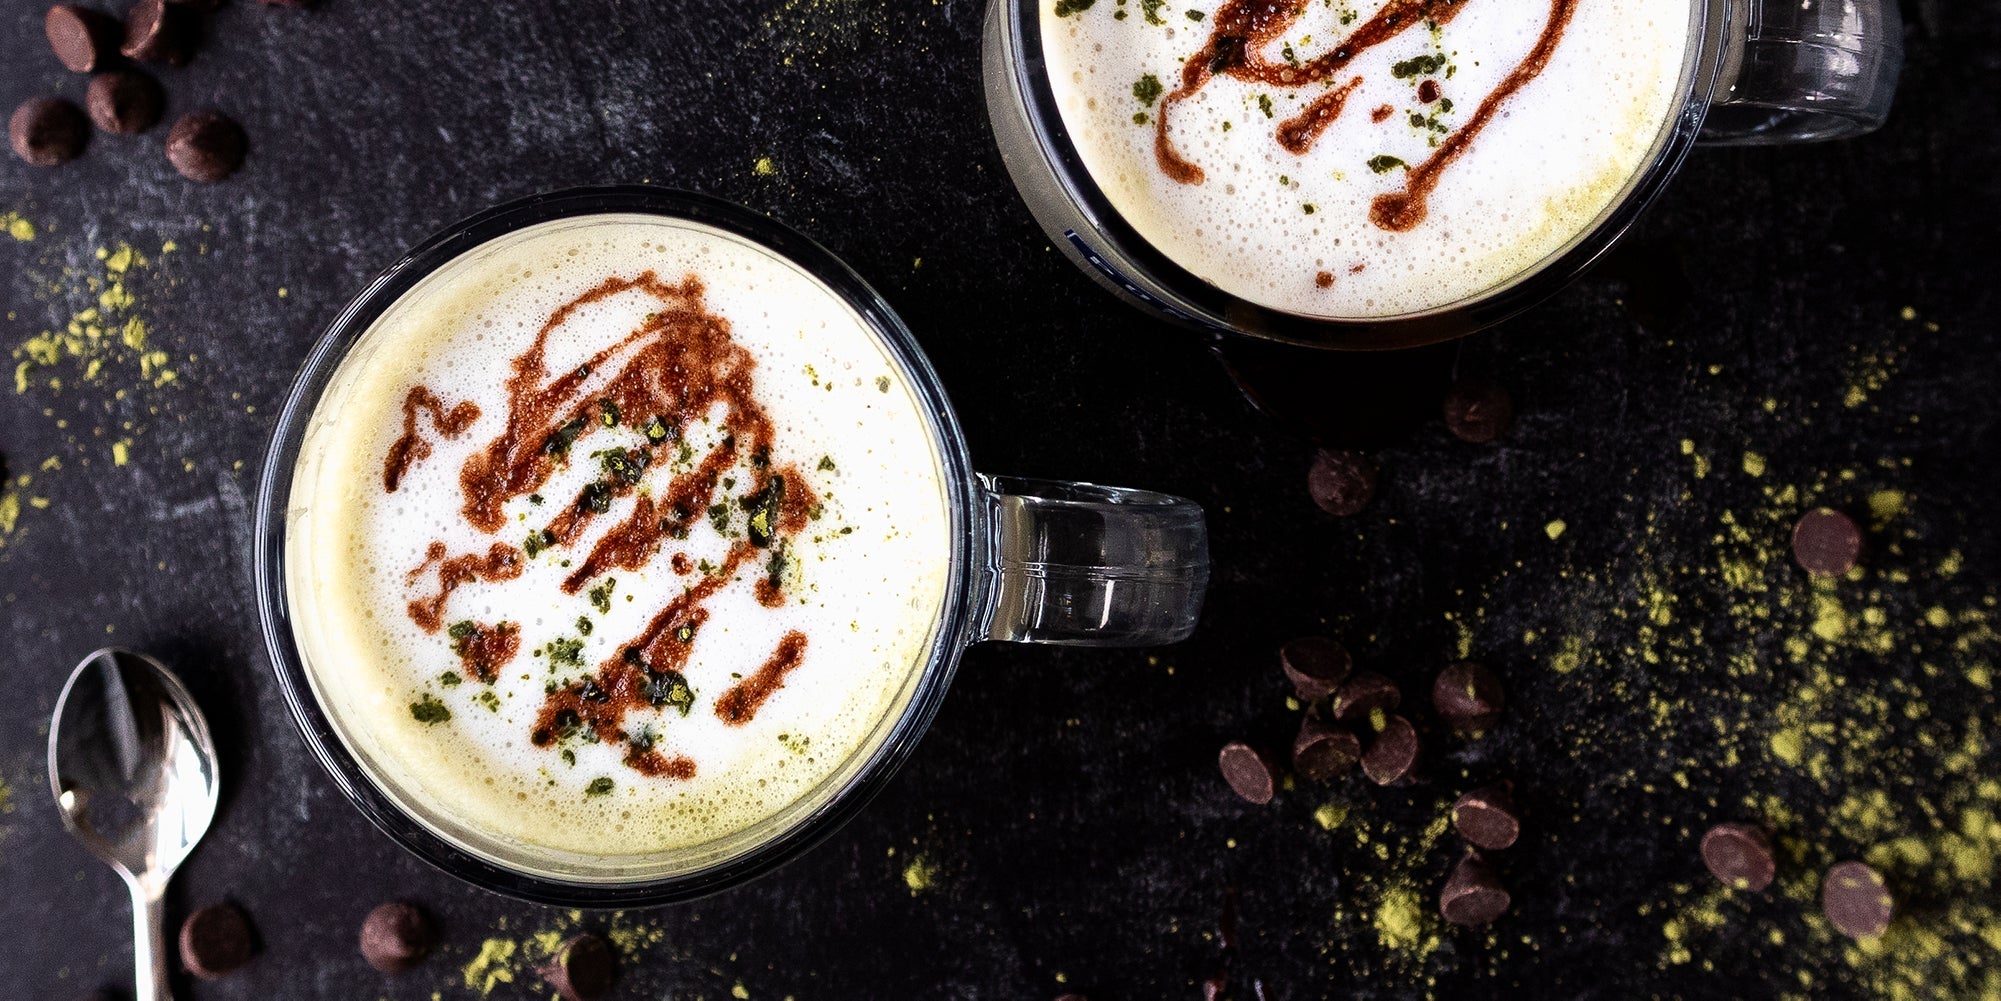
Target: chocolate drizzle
[(741, 702), (411, 448), (1297, 134), (1241, 31), (676, 369), (501, 562), (483, 650), (1401, 212)]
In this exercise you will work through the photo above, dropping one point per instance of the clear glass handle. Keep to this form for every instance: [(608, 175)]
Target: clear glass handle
[(1805, 70), (1085, 565)]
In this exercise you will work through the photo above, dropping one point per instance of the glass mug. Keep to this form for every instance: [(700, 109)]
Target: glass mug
[(1757, 72), (1031, 562)]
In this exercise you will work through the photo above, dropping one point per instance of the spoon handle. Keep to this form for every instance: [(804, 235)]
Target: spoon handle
[(149, 944)]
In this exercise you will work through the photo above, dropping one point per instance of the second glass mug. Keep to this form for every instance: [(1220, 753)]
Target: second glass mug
[(1032, 561), (1758, 72)]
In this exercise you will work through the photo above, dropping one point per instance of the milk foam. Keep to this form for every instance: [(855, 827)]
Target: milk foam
[(867, 585), (1271, 227)]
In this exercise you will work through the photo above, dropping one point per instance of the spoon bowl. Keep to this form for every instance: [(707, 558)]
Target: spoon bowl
[(133, 770)]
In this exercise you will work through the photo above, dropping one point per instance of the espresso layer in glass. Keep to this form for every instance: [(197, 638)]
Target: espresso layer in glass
[(613, 536), (1364, 159)]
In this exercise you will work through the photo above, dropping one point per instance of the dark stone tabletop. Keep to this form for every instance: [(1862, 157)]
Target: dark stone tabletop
[(1788, 328)]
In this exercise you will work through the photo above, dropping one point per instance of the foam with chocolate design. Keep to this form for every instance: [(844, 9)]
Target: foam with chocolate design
[(1365, 158), (640, 560)]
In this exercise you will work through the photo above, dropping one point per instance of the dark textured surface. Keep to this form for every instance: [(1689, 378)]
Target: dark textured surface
[(1066, 804)]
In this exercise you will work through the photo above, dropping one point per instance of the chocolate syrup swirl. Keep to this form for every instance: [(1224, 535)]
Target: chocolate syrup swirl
[(1297, 134), (412, 448), (740, 703), (1241, 31), (1402, 212), (483, 650), (677, 368), (501, 562)]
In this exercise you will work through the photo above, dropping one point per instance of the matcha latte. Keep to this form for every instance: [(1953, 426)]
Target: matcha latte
[(615, 535), (1365, 159)]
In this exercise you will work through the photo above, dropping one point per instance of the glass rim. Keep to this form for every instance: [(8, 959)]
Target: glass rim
[(954, 627), (1214, 307)]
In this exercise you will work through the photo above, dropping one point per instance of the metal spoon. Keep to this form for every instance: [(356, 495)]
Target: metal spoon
[(133, 770)]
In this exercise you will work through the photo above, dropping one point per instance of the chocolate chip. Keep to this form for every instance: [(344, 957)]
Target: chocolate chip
[(1856, 900), (158, 32), (126, 101), (1467, 696), (1427, 91), (584, 969), (206, 147), (1478, 411), (83, 39), (1342, 482), (215, 941), (1826, 542), (1392, 756), (1322, 752), (1247, 772), (1474, 894), (1486, 817), (1363, 694), (1315, 665), (1740, 855), (47, 131), (396, 937)]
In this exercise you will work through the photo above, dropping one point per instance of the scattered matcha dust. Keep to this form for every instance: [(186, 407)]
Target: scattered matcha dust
[(1699, 462), (1330, 815), (85, 346), (1568, 655), (99, 337), (493, 966), (1390, 899), (1871, 369), (920, 875), (1951, 564), (1703, 916), (825, 32), (1845, 702), (10, 510), (508, 959), (1703, 677), (1885, 505), (764, 167), (1555, 529), (1401, 922)]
